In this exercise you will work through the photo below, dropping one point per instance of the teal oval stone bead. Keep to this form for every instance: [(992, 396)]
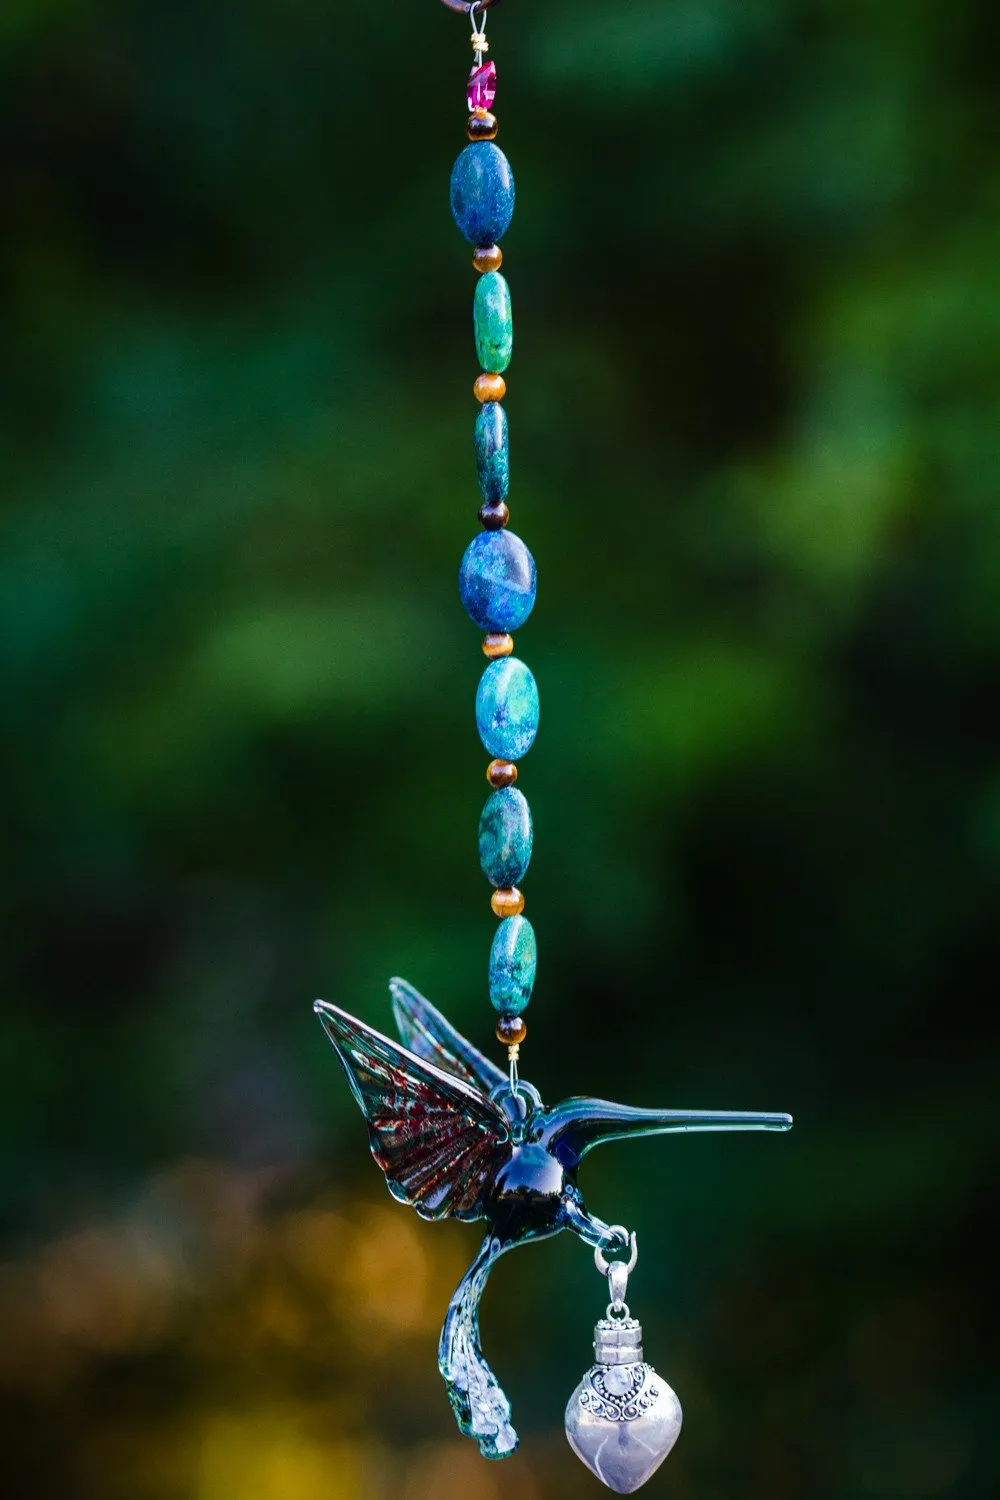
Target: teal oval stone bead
[(492, 452), (494, 322), (482, 193), (507, 708), (513, 961), (505, 837)]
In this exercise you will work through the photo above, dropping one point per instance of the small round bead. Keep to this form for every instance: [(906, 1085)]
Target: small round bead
[(501, 773), (507, 902), (489, 387), (489, 258), (511, 1031), (482, 126), (497, 645), (494, 517)]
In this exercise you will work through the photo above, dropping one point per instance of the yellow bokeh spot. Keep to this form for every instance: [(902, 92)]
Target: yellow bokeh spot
[(265, 1456), (451, 1471)]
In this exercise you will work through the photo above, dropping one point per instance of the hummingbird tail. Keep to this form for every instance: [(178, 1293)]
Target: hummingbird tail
[(481, 1409)]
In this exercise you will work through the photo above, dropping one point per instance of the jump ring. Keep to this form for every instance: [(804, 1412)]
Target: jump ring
[(627, 1240)]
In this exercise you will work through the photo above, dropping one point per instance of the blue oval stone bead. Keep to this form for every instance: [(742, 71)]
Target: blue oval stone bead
[(497, 581), (482, 193), (492, 453), (505, 837), (513, 961), (507, 708)]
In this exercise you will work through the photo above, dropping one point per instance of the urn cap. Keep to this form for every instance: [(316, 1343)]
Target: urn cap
[(618, 1341)]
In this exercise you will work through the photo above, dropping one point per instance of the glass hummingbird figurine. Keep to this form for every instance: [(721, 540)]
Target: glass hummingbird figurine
[(458, 1138)]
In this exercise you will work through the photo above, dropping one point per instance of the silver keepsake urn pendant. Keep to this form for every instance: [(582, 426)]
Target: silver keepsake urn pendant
[(623, 1419)]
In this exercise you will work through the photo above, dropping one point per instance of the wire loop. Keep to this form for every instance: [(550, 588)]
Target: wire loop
[(629, 1240), (464, 8)]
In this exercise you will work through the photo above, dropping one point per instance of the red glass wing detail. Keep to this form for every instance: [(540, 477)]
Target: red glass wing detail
[(439, 1141)]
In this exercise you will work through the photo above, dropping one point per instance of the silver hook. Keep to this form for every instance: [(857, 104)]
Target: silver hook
[(618, 1271), (601, 1262)]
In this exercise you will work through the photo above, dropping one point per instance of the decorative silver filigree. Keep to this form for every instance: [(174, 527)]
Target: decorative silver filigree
[(607, 1394)]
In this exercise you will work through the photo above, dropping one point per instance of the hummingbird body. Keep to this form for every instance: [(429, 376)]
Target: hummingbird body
[(455, 1139), (526, 1199)]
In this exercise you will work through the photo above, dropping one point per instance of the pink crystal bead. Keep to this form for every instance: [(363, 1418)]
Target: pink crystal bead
[(482, 87)]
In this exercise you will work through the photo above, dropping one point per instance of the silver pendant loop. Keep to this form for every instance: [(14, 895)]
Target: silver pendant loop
[(600, 1260), (618, 1283)]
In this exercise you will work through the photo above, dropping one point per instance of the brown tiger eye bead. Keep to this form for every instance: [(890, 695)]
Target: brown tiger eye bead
[(482, 126), (507, 903), (511, 1030), (497, 645), (494, 517), (490, 387), (487, 258), (501, 773)]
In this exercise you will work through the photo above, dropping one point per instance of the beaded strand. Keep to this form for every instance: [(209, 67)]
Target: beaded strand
[(497, 579)]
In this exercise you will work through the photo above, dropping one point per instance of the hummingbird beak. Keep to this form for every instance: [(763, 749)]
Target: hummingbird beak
[(576, 1125)]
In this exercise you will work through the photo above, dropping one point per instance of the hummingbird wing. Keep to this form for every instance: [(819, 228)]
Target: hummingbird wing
[(426, 1032), (439, 1141)]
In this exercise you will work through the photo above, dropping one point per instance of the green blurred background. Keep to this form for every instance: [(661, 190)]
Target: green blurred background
[(755, 406)]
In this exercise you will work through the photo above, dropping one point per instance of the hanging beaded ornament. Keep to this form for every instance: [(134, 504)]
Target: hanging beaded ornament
[(456, 1136)]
